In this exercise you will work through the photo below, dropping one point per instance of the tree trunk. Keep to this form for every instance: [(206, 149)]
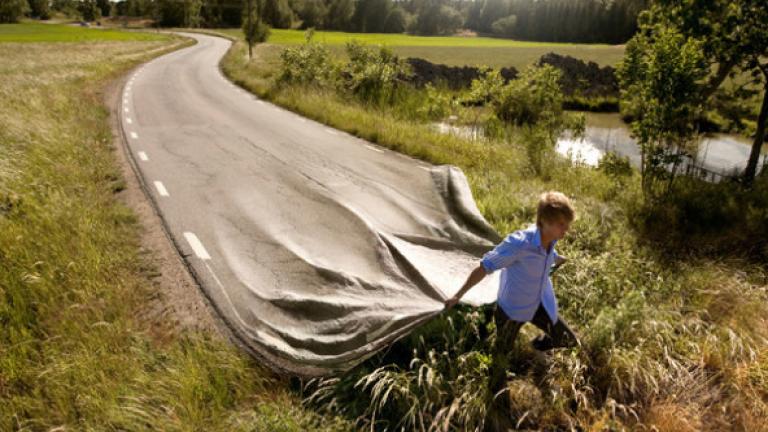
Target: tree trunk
[(757, 145)]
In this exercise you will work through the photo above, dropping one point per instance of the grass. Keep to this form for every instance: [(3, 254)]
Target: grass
[(454, 50), (671, 340), (78, 351), (36, 32)]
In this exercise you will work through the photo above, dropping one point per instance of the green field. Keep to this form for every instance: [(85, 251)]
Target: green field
[(454, 50), (37, 32)]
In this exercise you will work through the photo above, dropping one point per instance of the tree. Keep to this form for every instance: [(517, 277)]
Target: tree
[(11, 10), (254, 29), (340, 14), (40, 9), (734, 37), (437, 18), (313, 14), (660, 79), (105, 6), (370, 15), (396, 21), (504, 26), (192, 13), (89, 10), (277, 13)]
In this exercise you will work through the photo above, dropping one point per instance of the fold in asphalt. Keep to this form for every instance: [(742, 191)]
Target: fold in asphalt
[(316, 248)]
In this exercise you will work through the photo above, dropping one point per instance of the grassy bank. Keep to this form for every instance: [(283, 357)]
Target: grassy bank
[(671, 339), (77, 349), (454, 51)]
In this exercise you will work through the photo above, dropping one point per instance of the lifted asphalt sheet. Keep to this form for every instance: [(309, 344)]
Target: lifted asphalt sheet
[(323, 248)]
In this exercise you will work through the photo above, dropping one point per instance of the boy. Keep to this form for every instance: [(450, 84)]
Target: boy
[(525, 290)]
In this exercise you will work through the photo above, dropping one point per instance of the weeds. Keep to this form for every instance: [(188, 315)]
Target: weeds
[(667, 341)]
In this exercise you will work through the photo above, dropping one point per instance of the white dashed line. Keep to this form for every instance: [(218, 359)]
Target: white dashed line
[(374, 148), (134, 135), (260, 102), (425, 168), (331, 131), (197, 246), (161, 189), (143, 156), (126, 109), (128, 119)]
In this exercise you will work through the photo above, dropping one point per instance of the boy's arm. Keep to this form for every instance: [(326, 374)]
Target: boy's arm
[(473, 279), (559, 260)]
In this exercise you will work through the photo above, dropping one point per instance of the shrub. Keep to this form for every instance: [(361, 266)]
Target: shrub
[(308, 64), (373, 75)]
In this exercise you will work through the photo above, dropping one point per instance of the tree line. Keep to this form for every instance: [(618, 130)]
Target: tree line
[(541, 20)]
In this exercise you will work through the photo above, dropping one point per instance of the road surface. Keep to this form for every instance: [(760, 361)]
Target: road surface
[(317, 248)]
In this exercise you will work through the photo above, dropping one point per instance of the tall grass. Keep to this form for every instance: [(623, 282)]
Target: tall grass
[(670, 341), (77, 351)]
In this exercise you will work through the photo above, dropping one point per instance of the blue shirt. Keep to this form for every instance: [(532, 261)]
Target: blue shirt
[(524, 282)]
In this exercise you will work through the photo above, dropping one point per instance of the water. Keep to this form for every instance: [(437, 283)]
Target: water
[(718, 154)]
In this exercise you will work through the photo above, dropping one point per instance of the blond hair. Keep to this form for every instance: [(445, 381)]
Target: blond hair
[(554, 206)]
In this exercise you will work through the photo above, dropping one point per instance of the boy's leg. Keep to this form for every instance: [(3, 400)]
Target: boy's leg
[(557, 335), (506, 333)]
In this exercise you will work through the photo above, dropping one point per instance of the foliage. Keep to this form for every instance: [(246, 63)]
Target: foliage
[(436, 18), (557, 20), (254, 29), (534, 104), (308, 64), (659, 81), (733, 40), (12, 10), (373, 75)]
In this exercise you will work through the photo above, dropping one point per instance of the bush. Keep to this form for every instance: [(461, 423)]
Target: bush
[(707, 218), (310, 63), (373, 75)]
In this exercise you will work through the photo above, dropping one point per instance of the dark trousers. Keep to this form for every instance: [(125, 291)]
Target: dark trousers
[(557, 335)]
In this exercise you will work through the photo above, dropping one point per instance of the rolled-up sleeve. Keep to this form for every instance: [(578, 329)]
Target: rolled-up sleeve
[(505, 253)]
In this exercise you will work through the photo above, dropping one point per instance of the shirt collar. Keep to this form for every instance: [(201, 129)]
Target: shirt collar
[(537, 239)]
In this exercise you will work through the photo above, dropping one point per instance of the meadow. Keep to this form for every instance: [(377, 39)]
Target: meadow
[(40, 32), (453, 50), (78, 351)]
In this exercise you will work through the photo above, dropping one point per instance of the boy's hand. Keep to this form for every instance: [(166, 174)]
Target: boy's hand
[(451, 302)]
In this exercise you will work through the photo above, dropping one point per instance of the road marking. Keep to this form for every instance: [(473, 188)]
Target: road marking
[(331, 131), (198, 247), (374, 148), (425, 168), (143, 156), (128, 119), (126, 109), (303, 120), (161, 189), (125, 100), (261, 102), (134, 135)]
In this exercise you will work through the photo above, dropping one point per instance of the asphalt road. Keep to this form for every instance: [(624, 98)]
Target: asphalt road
[(317, 248)]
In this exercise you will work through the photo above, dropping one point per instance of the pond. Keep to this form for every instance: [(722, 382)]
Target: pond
[(718, 154)]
